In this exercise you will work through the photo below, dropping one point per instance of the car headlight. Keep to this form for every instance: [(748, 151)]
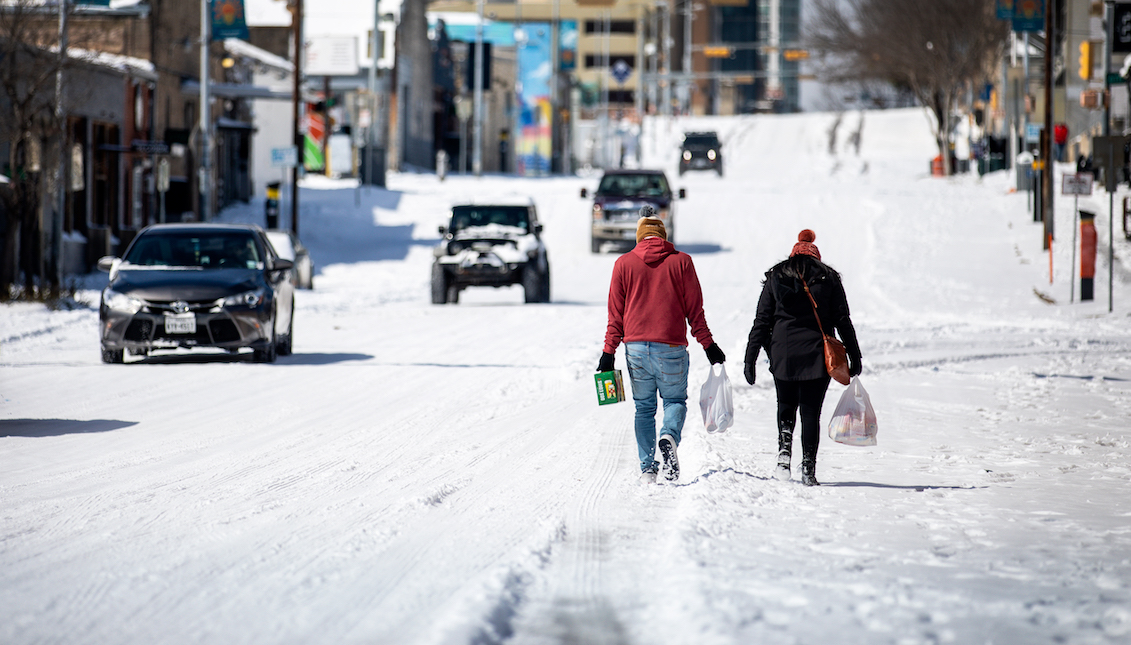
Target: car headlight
[(121, 302), (597, 211), (711, 155), (687, 155), (250, 299)]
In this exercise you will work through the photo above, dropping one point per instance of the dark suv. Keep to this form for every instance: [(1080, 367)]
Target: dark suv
[(701, 151), (495, 244), (617, 203)]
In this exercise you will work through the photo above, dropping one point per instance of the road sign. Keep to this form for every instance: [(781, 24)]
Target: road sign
[(284, 157), (1078, 184), (149, 147), (1032, 133), (621, 71), (1108, 154), (163, 175)]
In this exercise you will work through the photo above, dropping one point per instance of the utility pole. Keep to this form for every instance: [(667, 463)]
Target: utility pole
[(61, 165), (296, 115), (372, 139), (477, 127), (1046, 140), (205, 115)]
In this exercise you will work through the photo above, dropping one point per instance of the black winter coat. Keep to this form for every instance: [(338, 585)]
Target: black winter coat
[(787, 328)]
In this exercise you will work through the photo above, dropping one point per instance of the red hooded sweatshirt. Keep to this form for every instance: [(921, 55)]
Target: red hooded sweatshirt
[(653, 295)]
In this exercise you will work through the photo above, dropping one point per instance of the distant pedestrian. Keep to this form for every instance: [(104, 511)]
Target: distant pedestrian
[(1060, 140), (653, 295), (786, 325)]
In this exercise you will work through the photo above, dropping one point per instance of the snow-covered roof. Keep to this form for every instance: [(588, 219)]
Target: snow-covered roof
[(129, 64), (247, 50)]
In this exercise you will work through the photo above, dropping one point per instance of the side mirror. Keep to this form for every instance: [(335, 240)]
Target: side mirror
[(584, 193), (282, 264), (106, 263), (443, 230), (683, 193), (538, 229)]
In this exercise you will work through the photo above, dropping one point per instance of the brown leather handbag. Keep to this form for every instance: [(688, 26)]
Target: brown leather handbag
[(836, 357)]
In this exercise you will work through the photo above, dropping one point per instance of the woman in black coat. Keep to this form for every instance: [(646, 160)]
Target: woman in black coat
[(786, 326)]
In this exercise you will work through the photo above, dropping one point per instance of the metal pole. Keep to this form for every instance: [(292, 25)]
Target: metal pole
[(60, 167), (638, 94), (1109, 16), (477, 127), (1047, 195), (372, 142), (296, 118), (1025, 89), (205, 115), (1110, 250), (687, 9), (667, 67), (555, 122)]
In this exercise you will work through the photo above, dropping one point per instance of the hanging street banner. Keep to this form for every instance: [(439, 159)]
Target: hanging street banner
[(534, 146), (1004, 9), (228, 20), (1029, 15), (567, 41)]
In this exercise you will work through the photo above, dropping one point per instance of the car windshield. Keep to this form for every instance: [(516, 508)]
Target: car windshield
[(701, 140), (628, 185), (464, 217), (221, 250)]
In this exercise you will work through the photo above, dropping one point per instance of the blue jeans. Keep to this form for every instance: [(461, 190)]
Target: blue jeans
[(657, 368)]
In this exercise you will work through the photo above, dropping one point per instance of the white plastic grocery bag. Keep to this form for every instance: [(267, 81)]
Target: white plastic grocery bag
[(854, 421), (715, 401)]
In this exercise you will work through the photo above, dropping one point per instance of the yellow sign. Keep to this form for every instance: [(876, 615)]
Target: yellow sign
[(716, 52), (795, 54)]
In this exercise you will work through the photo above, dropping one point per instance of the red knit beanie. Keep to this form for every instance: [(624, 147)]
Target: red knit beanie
[(805, 244)]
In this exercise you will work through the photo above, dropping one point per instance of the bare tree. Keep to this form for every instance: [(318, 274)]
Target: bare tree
[(935, 50), (27, 80), (31, 130)]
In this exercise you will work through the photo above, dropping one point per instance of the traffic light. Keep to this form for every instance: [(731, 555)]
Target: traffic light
[(1085, 69)]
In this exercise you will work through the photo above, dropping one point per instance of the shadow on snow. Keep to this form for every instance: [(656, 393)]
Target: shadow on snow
[(58, 427)]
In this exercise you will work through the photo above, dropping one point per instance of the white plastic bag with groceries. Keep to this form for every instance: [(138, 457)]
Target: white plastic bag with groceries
[(715, 401), (854, 421)]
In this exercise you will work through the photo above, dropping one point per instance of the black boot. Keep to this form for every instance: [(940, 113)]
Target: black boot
[(809, 468), (785, 450)]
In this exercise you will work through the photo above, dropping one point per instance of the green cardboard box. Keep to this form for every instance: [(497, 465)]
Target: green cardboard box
[(610, 387)]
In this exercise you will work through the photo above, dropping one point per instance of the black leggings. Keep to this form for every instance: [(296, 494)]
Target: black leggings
[(809, 396)]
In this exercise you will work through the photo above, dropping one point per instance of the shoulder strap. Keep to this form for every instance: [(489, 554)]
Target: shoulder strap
[(814, 303)]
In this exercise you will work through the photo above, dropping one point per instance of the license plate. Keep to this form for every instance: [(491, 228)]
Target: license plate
[(180, 324)]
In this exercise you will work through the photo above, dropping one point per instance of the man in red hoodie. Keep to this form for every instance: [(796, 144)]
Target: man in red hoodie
[(653, 295)]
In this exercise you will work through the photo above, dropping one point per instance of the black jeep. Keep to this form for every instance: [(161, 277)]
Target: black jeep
[(701, 151)]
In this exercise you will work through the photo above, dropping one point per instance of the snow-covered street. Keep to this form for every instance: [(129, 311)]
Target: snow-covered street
[(442, 474)]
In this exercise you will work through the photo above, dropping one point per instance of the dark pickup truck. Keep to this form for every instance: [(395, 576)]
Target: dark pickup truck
[(617, 203)]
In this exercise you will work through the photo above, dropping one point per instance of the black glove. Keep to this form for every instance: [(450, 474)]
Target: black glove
[(606, 362), (854, 366), (749, 373), (715, 354)]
